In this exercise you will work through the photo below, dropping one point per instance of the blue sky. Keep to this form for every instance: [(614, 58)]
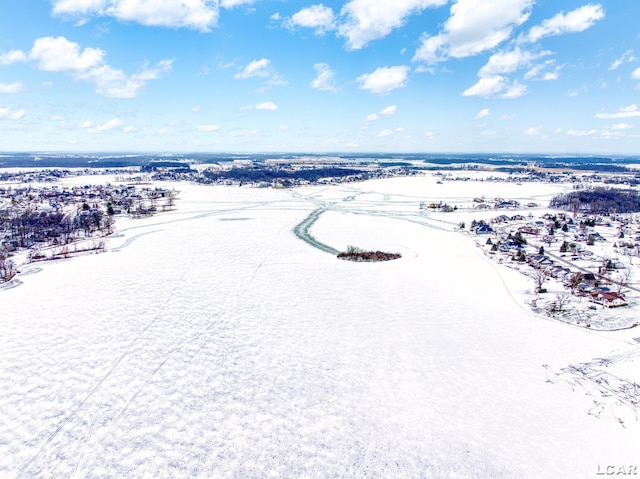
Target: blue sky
[(289, 76)]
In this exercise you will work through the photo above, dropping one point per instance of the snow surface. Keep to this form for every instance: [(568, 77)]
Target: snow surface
[(212, 342)]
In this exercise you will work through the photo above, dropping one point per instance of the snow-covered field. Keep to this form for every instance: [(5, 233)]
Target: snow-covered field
[(212, 342)]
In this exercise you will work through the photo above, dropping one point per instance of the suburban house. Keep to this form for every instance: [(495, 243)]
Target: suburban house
[(528, 230), (609, 299), (484, 230), (541, 260)]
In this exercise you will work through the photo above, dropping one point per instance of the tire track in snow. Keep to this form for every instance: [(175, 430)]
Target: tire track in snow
[(131, 240), (80, 406), (84, 457)]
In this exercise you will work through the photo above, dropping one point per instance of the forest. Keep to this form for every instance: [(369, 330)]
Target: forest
[(598, 201)]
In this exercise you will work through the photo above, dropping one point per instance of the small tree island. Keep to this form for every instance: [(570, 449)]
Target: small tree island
[(356, 254)]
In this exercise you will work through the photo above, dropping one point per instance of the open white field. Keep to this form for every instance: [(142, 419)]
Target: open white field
[(212, 342)]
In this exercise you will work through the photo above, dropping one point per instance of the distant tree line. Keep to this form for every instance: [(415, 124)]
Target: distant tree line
[(260, 174), (598, 201), (176, 166), (599, 167)]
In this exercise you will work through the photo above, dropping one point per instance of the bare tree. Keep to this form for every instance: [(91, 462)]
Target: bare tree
[(7, 268), (574, 281), (170, 200), (558, 305), (628, 251), (540, 276), (622, 279)]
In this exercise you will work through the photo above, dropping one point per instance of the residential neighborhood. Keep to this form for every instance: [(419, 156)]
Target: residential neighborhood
[(45, 221), (571, 259)]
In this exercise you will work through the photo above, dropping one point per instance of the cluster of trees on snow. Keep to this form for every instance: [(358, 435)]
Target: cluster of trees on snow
[(356, 254), (598, 201), (24, 228)]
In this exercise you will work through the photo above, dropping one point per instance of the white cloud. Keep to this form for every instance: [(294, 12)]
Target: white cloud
[(325, 79), (491, 86), (577, 20), (78, 7), (621, 126), (514, 90), (635, 74), (485, 112), (630, 111), (318, 17), (61, 55), (267, 105), (582, 132), (208, 128), (488, 132), (114, 83), (246, 132), (235, 3), (17, 115), (533, 131), (474, 26), (492, 74), (507, 62), (108, 126), (8, 114), (256, 69), (195, 14), (262, 68), (283, 128), (477, 25), (15, 87), (13, 56), (534, 71), (385, 133), (384, 79), (432, 50), (486, 87), (624, 58), (366, 20), (390, 110), (57, 118), (430, 135)]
